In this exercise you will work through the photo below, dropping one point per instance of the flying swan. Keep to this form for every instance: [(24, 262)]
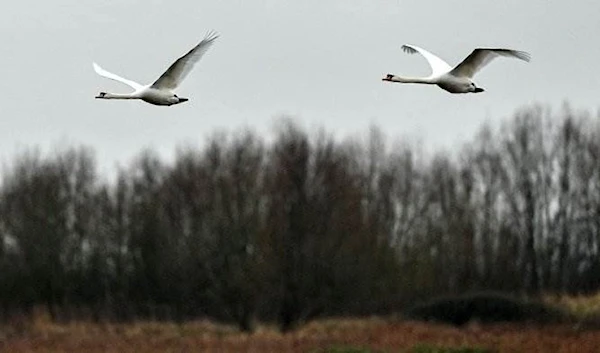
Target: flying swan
[(161, 91), (457, 79)]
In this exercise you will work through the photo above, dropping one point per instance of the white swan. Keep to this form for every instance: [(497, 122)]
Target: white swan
[(161, 91), (457, 79)]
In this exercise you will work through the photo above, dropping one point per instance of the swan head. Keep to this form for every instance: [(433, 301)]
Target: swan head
[(388, 77), (475, 89), (176, 100), (101, 95)]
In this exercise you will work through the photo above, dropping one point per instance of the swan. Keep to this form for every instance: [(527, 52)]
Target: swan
[(457, 79), (161, 91)]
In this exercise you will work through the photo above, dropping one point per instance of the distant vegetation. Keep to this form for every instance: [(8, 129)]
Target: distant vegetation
[(485, 307), (245, 231)]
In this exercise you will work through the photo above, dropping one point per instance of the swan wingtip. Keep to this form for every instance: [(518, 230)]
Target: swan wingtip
[(523, 55), (408, 48), (212, 34)]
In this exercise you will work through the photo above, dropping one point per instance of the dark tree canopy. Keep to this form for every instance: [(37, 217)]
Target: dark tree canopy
[(246, 230)]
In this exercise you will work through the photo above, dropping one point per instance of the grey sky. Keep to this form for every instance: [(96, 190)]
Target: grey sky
[(318, 60)]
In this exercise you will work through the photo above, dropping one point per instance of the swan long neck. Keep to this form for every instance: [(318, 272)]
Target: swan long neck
[(105, 95), (404, 79)]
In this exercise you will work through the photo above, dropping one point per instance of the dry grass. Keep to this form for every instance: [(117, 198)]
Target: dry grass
[(581, 306), (372, 335)]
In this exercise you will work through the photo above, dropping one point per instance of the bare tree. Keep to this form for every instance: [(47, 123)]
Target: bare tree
[(47, 208), (242, 230)]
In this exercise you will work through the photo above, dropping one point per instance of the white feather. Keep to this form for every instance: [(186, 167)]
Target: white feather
[(182, 66), (438, 66), (161, 91), (457, 79), (100, 71)]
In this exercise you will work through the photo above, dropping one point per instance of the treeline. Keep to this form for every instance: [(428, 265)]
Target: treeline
[(245, 230)]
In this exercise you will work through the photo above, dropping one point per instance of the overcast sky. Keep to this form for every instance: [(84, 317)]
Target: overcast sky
[(320, 61)]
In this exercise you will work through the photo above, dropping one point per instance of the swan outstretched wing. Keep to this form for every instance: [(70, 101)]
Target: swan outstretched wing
[(100, 71), (482, 56), (438, 66), (182, 66)]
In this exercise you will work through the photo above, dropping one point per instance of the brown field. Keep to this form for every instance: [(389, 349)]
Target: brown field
[(376, 334)]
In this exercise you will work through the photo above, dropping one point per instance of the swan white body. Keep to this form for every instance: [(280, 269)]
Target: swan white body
[(161, 91), (459, 78)]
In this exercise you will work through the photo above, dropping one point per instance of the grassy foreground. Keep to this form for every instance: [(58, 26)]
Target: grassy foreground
[(335, 336), (367, 335)]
